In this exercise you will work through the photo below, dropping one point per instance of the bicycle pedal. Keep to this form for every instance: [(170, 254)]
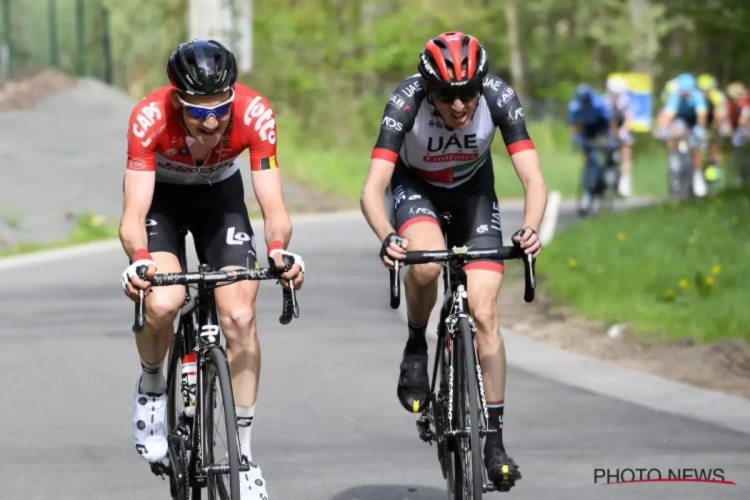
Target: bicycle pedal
[(161, 469), (424, 426)]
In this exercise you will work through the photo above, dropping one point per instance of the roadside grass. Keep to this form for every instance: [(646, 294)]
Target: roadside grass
[(674, 269), (339, 168), (88, 228)]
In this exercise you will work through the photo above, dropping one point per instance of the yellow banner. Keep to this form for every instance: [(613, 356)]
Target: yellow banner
[(640, 89)]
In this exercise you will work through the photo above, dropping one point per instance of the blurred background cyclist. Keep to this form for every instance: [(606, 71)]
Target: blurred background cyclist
[(686, 113), (621, 115)]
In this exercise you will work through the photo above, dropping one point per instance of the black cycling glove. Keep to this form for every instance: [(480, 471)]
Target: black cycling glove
[(391, 238)]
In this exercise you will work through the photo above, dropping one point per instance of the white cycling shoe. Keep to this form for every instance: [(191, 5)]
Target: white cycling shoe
[(149, 424), (252, 484)]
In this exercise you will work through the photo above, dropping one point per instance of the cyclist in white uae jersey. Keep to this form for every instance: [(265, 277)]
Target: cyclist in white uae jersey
[(434, 151)]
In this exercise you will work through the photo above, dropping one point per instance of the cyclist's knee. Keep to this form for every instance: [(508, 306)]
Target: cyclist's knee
[(239, 326), (163, 305), (236, 307), (423, 275), (424, 236), (483, 288)]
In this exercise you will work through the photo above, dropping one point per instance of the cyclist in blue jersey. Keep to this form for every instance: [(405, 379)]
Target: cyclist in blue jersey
[(589, 118), (686, 109)]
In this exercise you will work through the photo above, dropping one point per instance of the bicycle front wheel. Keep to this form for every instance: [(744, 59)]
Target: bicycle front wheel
[(222, 462), (469, 446)]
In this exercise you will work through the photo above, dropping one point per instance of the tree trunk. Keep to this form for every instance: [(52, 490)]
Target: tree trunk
[(517, 70)]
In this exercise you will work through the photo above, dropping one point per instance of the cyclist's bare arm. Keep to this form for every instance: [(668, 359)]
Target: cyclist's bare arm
[(398, 119), (140, 178), (138, 191), (526, 164), (371, 201), (266, 177), (268, 192), (508, 116)]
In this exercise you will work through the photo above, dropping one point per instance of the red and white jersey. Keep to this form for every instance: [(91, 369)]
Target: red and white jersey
[(157, 140)]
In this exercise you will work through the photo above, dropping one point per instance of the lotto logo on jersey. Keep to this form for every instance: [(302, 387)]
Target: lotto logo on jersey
[(262, 116), (146, 119)]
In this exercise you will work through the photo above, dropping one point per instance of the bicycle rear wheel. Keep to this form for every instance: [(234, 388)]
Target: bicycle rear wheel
[(469, 447), (223, 484)]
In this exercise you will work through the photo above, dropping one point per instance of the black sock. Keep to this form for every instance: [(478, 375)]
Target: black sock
[(417, 343), (495, 413)]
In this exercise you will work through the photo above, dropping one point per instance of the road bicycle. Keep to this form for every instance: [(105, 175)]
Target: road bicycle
[(456, 417), (600, 175), (192, 393)]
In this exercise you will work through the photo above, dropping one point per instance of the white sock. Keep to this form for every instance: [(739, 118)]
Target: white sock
[(152, 379), (245, 416)]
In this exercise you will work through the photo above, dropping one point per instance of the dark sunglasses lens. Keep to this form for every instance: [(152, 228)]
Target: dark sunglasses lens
[(203, 113), (464, 95)]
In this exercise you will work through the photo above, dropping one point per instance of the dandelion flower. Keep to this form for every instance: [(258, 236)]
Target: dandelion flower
[(684, 283), (573, 263), (621, 236), (716, 269), (710, 281)]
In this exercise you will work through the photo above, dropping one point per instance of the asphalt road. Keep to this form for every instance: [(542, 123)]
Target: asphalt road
[(328, 425)]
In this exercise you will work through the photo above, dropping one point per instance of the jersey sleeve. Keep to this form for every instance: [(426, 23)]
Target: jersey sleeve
[(259, 134), (573, 110), (673, 102), (146, 122), (507, 114), (398, 119), (601, 106), (701, 106)]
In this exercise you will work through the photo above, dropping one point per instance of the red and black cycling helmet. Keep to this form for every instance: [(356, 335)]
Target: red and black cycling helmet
[(444, 57)]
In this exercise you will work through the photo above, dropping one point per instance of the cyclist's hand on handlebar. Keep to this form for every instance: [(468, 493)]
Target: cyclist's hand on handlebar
[(130, 281), (529, 241), (393, 248), (296, 274)]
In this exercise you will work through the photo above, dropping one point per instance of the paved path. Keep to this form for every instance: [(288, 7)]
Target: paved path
[(329, 426)]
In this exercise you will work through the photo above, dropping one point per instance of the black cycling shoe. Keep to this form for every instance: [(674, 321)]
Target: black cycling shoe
[(413, 382), (501, 469)]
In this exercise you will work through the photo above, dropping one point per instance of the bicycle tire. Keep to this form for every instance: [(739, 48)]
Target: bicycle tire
[(470, 389), (217, 369)]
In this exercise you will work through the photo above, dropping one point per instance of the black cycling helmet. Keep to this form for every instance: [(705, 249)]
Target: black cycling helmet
[(202, 67), (451, 51)]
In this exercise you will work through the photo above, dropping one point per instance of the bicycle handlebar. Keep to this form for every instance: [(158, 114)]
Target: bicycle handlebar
[(289, 308), (463, 255)]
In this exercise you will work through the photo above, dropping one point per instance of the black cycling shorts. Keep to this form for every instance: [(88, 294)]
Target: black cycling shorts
[(473, 208), (215, 214)]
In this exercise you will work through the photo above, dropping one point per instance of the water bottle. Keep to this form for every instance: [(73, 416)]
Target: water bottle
[(189, 371)]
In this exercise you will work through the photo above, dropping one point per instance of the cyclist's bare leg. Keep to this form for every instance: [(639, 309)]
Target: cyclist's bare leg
[(162, 306), (626, 162), (483, 289), (235, 304), (150, 400), (420, 281), (420, 288)]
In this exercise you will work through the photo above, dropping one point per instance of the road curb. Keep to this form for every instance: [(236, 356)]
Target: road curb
[(112, 244)]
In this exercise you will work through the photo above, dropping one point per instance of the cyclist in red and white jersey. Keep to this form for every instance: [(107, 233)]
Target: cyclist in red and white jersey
[(434, 151), (182, 170)]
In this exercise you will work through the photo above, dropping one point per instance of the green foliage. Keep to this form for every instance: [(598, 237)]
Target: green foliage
[(665, 269)]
